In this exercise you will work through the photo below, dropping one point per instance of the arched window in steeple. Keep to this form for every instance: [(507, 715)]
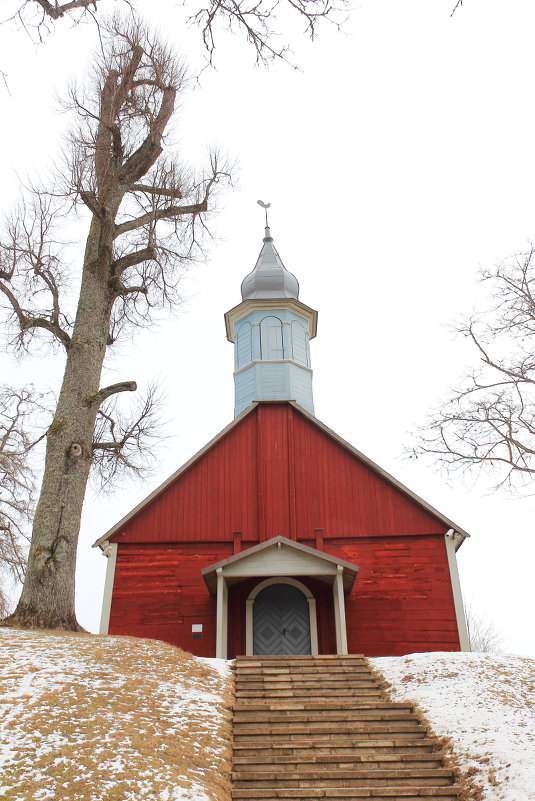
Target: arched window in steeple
[(271, 342), (299, 343), (244, 345)]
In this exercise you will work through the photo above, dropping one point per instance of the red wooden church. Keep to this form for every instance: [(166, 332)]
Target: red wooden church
[(279, 537)]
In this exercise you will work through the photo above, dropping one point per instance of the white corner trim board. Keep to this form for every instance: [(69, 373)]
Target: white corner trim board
[(110, 551), (450, 538)]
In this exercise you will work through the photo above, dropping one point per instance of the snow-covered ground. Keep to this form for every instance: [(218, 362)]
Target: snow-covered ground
[(485, 703), (88, 718)]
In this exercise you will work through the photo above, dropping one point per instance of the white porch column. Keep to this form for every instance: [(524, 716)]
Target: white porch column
[(340, 612), (221, 616), (110, 551), (313, 626), (249, 626)]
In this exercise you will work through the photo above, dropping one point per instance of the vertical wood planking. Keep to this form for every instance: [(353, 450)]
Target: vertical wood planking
[(276, 473), (292, 512)]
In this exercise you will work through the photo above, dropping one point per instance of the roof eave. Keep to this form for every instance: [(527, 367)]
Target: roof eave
[(246, 306)]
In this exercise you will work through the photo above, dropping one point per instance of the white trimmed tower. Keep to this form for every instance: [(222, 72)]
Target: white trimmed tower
[(271, 330)]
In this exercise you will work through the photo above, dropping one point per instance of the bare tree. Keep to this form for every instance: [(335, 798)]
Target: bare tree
[(146, 215), (483, 635), (488, 422), (257, 20), (17, 482)]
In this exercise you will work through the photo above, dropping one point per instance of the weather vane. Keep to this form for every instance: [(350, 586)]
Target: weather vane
[(265, 206)]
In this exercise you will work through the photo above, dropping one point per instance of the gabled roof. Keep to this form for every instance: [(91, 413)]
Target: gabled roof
[(449, 524), (320, 557)]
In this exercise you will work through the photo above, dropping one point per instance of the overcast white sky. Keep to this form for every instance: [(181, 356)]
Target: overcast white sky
[(397, 161)]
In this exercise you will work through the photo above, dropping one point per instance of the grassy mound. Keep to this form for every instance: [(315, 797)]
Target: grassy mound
[(88, 717)]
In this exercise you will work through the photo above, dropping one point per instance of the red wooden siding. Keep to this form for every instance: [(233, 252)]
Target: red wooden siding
[(401, 603), (158, 592), (276, 473)]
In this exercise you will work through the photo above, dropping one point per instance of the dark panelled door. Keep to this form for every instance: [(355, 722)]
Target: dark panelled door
[(281, 621)]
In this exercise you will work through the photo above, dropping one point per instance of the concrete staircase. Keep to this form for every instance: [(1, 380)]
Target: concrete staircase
[(321, 727)]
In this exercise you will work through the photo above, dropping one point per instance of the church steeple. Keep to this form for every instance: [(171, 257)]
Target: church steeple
[(271, 330)]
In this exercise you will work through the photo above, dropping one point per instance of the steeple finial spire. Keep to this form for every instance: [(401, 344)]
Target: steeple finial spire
[(265, 206), (270, 278)]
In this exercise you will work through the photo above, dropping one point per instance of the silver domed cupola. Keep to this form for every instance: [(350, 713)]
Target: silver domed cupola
[(270, 278)]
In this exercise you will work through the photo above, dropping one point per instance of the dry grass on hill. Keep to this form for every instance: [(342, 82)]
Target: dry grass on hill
[(91, 718)]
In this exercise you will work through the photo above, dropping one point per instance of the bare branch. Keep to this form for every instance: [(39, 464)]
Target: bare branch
[(17, 481), (26, 321), (488, 422), (169, 212), (124, 444), (131, 259), (90, 200), (39, 16), (31, 274), (58, 10), (483, 635), (158, 190), (257, 21), (105, 393), (145, 156)]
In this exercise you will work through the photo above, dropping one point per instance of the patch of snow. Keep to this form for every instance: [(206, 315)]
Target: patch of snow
[(222, 666), (485, 703)]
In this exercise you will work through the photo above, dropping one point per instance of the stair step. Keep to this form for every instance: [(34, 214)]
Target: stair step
[(354, 703), (280, 670), (373, 760), (319, 688), (245, 672), (330, 716), (346, 793), (339, 778), (319, 727), (343, 747), (319, 677), (300, 692), (319, 738), (332, 659)]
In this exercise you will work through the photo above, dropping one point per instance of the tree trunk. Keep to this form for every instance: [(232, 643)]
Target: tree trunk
[(47, 599)]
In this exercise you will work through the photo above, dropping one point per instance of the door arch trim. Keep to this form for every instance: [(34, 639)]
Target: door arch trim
[(280, 580)]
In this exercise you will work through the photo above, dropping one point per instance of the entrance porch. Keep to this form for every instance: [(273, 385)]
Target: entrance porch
[(284, 618)]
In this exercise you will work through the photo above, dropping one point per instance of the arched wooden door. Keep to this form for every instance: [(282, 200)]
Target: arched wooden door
[(281, 621)]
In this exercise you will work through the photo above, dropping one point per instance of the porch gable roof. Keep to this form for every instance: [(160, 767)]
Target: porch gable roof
[(280, 556)]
